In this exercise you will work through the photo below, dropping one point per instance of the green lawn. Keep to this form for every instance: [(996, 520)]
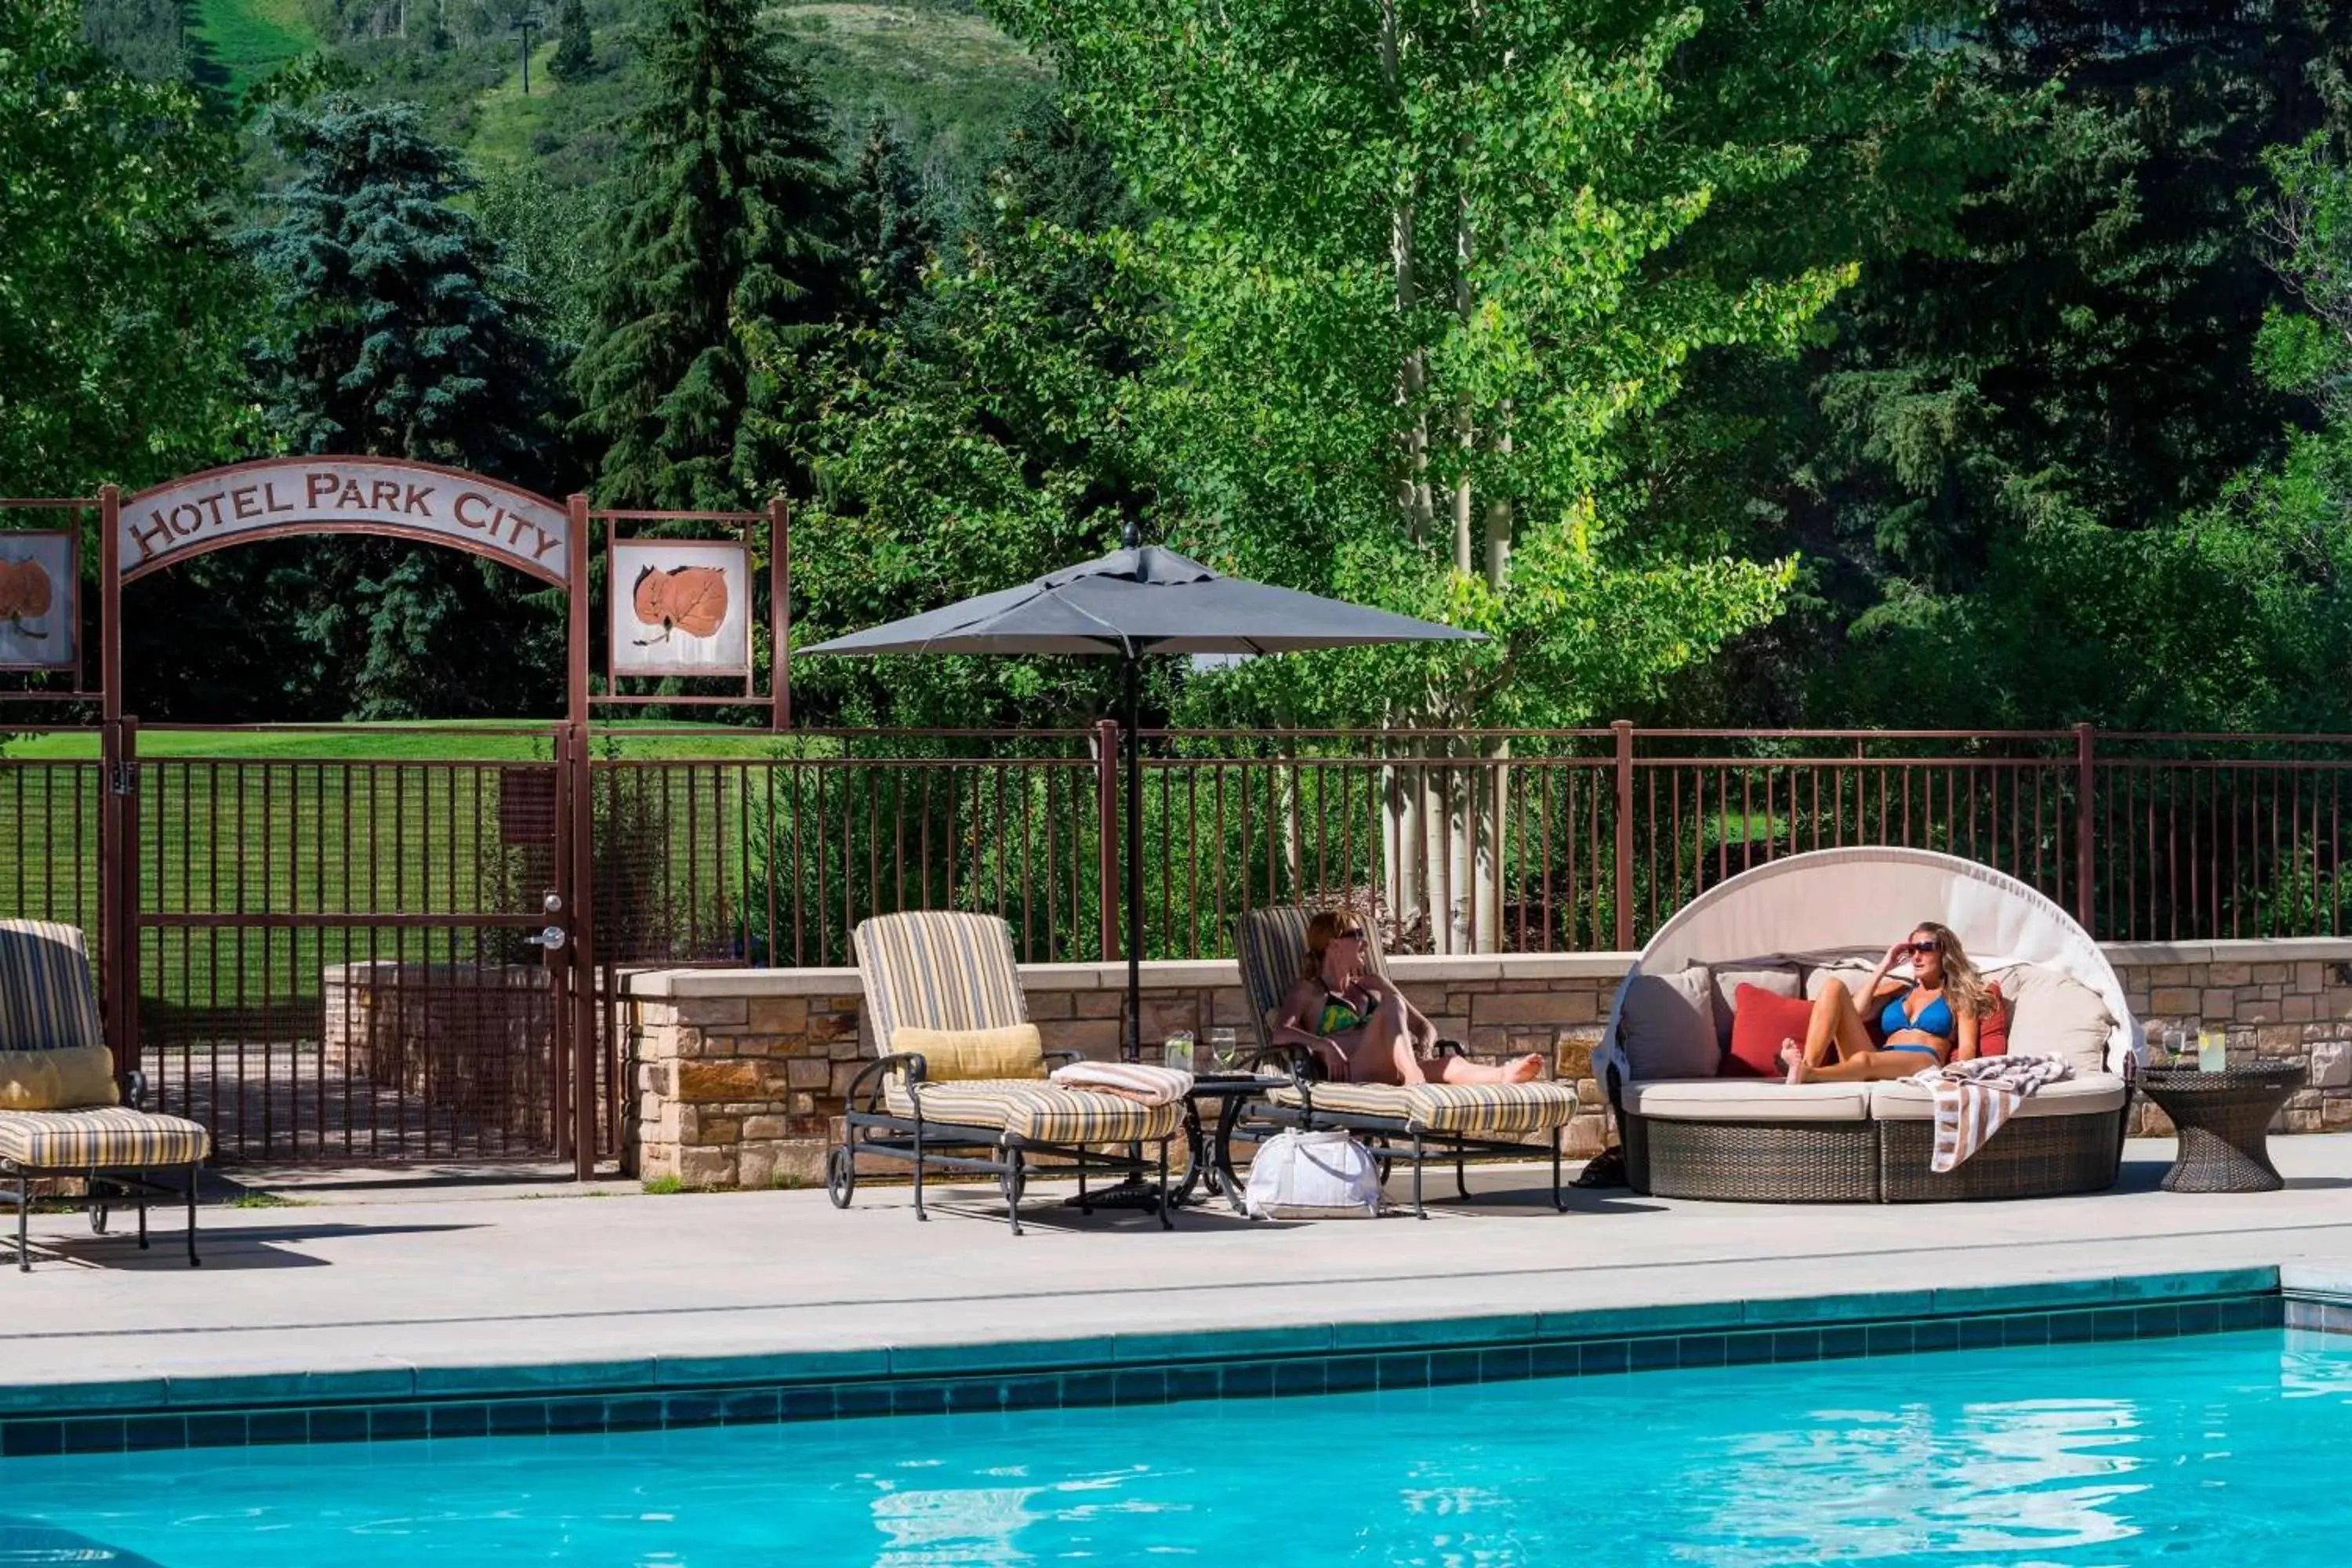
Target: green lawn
[(247, 39), (405, 742)]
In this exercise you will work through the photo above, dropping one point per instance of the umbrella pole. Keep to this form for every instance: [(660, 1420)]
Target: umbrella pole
[(1134, 869)]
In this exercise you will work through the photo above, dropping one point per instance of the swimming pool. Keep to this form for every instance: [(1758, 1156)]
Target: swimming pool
[(2126, 1452)]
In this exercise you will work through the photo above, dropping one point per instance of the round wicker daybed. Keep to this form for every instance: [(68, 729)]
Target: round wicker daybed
[(1789, 924)]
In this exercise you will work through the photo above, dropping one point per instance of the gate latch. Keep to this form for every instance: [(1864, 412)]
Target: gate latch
[(126, 778), (550, 938)]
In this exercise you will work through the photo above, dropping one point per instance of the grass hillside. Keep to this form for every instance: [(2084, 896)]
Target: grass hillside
[(233, 44)]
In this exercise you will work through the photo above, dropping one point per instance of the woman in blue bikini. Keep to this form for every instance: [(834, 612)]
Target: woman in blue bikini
[(1926, 1023)]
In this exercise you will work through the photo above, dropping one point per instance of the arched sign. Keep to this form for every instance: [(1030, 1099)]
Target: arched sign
[(248, 502)]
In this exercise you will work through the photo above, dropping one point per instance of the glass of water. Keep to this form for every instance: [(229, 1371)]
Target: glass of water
[(1224, 1049), (1176, 1051)]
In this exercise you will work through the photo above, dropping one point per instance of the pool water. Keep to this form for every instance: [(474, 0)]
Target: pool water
[(2229, 1447)]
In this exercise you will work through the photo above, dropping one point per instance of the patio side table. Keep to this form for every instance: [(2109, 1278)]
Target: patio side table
[(2222, 1122), (1212, 1153)]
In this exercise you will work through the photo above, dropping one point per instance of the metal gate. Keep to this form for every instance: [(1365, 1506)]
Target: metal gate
[(362, 960)]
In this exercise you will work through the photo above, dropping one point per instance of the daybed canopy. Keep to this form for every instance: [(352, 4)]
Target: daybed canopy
[(1839, 902)]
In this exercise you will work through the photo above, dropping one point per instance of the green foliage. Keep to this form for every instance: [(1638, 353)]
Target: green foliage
[(575, 50), (730, 233), (891, 233), (397, 328), (120, 309), (978, 439), (1444, 436)]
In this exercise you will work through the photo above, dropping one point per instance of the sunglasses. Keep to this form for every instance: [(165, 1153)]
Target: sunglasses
[(1926, 947)]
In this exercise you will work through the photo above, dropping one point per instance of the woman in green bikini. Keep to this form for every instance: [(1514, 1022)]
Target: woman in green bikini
[(1361, 1026)]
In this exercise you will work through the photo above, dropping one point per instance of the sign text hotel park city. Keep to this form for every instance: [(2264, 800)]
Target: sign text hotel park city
[(227, 506)]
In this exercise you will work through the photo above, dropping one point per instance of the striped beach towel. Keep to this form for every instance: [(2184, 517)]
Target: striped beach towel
[(1137, 1081), (1974, 1099)]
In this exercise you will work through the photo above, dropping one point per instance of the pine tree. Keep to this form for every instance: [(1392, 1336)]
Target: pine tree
[(575, 51), (728, 238), (891, 233), (401, 332)]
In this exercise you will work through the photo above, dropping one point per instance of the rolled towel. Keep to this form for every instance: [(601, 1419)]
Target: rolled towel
[(1130, 1080)]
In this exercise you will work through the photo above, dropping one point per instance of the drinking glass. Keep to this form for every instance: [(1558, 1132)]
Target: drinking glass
[(1224, 1049), (2212, 1051), (1176, 1051), (2175, 1049)]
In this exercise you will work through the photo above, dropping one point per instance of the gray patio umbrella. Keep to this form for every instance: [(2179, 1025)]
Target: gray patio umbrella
[(1139, 600)]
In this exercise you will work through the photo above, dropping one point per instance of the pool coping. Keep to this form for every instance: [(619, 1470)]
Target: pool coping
[(398, 1402)]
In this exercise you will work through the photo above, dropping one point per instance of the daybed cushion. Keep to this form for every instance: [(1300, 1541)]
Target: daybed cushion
[(1855, 973), (1666, 1025), (1992, 1029), (1747, 1099), (1467, 1109), (2087, 1094), (74, 1077), (112, 1137), (1775, 978), (951, 1056), (1039, 1113), (2053, 1016), (1760, 1022)]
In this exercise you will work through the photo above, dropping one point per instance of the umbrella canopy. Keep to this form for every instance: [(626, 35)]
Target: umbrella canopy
[(1139, 600)]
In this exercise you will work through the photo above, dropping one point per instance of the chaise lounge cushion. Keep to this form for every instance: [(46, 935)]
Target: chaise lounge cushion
[(1011, 1051), (1038, 1112), (1665, 1023), (2088, 1094), (1747, 1099), (70, 1078), (110, 1137), (1465, 1109)]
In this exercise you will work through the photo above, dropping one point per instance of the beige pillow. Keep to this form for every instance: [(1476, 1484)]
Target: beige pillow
[(1855, 973), (955, 1056), (74, 1077), (1666, 1025), (2053, 1015), (1780, 979)]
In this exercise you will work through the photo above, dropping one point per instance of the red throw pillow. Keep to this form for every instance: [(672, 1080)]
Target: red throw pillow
[(1992, 1029), (1760, 1021)]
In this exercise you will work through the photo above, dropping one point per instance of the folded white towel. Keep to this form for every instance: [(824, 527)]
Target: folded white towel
[(1974, 1099), (1130, 1081)]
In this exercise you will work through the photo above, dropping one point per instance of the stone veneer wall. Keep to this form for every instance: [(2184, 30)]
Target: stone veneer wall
[(740, 1074)]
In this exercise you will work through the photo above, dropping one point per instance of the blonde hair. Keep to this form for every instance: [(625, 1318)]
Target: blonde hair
[(1322, 931), (1962, 984)]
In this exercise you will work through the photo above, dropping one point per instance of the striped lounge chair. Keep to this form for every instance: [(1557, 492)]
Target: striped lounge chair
[(943, 970), (1417, 1122), (47, 1003)]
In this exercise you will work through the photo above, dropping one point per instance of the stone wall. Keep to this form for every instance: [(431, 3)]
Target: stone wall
[(740, 1074), (2287, 1000)]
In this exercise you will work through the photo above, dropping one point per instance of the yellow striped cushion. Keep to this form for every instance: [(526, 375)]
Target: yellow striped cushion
[(1470, 1109), (1270, 944), (47, 997), (1040, 1113), (937, 969), (109, 1138)]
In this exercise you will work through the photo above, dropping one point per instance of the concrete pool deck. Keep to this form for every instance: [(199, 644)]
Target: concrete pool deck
[(496, 1286)]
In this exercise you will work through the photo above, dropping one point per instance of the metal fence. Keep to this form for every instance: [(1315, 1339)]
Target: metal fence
[(331, 958), (1553, 841)]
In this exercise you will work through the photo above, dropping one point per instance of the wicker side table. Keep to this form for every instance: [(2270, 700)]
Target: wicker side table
[(2222, 1120)]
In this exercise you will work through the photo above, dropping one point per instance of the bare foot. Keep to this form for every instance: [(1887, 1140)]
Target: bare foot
[(1793, 1059), (1525, 1069)]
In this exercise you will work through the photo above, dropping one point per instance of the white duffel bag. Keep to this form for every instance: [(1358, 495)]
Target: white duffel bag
[(1313, 1175)]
